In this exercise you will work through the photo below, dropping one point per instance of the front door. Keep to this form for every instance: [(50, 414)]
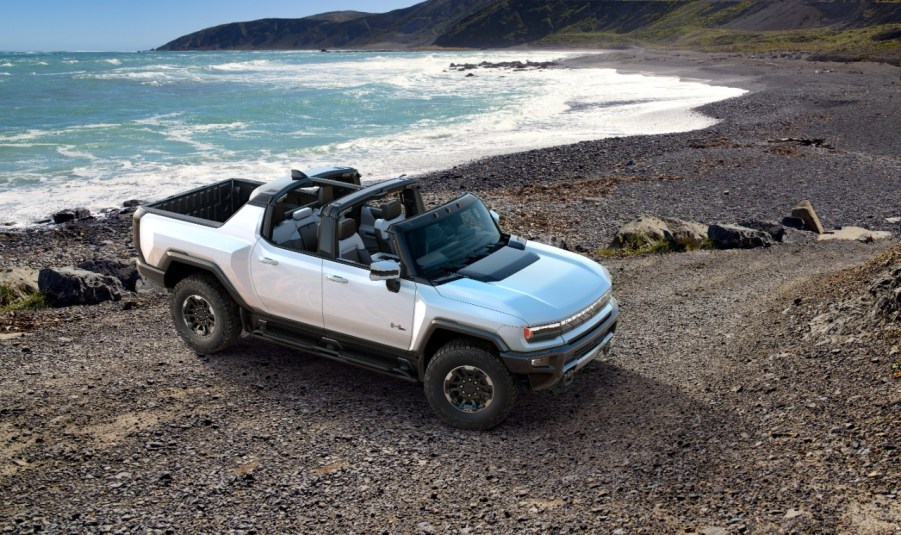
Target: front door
[(365, 309), (289, 283)]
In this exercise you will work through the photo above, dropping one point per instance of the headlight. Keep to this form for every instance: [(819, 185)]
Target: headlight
[(548, 331), (542, 332)]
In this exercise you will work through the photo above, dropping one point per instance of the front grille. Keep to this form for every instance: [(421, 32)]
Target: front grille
[(557, 328)]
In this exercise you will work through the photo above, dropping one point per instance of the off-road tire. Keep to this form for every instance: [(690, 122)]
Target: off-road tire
[(205, 316), (462, 373)]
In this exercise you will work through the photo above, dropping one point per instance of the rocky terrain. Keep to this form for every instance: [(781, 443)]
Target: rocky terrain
[(750, 391)]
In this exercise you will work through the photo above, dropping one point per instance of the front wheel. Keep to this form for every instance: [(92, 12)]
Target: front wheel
[(205, 316), (468, 387)]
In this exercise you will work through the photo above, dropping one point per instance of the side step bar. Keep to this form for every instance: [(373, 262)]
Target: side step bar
[(333, 350)]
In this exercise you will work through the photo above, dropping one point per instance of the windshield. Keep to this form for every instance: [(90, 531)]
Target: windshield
[(445, 242)]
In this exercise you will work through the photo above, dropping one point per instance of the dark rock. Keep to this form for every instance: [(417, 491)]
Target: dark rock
[(126, 273), (70, 286), (65, 216), (772, 228), (132, 203), (738, 237), (793, 222)]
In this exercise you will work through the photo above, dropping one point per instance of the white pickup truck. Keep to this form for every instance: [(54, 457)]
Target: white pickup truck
[(368, 276)]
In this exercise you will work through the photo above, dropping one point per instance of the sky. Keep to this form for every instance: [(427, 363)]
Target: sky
[(131, 25)]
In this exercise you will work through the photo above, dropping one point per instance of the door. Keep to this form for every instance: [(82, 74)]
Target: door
[(358, 307), (289, 283)]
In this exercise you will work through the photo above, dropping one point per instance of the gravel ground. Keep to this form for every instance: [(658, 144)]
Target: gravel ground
[(748, 392)]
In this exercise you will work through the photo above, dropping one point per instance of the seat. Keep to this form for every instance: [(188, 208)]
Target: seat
[(350, 244), (308, 226), (299, 232), (285, 232), (391, 212)]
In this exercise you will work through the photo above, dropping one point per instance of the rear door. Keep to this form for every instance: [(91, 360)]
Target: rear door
[(289, 283), (355, 306)]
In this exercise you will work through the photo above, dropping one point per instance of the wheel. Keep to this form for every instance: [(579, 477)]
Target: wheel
[(205, 316), (468, 387)]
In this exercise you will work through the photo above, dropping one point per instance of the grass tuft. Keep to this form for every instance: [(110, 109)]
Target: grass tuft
[(633, 249), (9, 300)]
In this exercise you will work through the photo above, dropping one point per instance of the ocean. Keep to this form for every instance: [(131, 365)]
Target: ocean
[(96, 129)]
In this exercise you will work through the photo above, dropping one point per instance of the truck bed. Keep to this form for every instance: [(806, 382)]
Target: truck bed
[(207, 205)]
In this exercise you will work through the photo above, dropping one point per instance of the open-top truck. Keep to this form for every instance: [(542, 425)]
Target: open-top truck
[(369, 276)]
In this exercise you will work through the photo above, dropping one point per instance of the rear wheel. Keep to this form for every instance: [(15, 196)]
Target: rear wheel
[(468, 387), (205, 316)]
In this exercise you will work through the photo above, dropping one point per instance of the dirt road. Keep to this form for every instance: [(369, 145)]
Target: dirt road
[(109, 424)]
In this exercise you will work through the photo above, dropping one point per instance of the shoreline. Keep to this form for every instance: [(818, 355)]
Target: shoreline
[(757, 73), (688, 66), (581, 121), (737, 169)]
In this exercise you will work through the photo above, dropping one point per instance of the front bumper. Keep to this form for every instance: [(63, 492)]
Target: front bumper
[(563, 361)]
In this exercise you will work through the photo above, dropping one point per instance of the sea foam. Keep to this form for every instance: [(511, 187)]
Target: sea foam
[(168, 122)]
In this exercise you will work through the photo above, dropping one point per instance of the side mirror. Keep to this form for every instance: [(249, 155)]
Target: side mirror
[(495, 216), (384, 270)]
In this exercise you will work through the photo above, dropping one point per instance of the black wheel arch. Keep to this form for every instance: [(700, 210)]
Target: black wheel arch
[(441, 331), (177, 266)]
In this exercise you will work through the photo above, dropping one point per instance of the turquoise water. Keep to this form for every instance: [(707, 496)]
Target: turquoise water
[(94, 129)]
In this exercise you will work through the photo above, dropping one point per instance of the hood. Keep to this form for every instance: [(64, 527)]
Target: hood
[(557, 285)]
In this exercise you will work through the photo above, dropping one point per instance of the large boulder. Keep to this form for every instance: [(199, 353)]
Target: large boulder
[(687, 234), (804, 211), (738, 237), (776, 230), (644, 230), (17, 283), (71, 286), (649, 229), (127, 273)]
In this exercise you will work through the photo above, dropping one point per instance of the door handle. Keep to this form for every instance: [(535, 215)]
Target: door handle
[(267, 260), (336, 278)]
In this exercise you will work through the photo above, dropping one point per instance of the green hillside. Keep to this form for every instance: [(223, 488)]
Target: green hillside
[(844, 30), (841, 30)]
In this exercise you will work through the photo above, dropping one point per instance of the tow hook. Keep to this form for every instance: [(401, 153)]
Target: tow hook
[(568, 377)]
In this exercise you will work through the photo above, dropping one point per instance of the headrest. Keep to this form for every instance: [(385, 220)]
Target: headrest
[(302, 213), (346, 228), (392, 209)]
